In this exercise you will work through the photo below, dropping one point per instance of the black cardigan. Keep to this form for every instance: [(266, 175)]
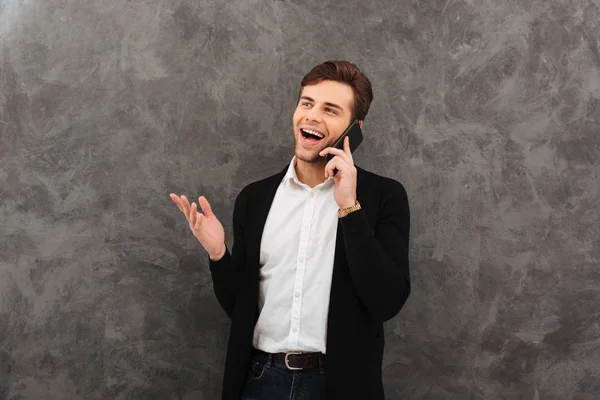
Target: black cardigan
[(370, 284)]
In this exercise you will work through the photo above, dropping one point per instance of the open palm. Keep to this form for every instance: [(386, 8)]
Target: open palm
[(205, 227)]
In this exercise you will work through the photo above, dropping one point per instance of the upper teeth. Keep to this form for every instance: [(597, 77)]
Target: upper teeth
[(313, 133)]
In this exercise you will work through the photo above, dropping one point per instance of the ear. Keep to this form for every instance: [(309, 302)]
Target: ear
[(360, 124)]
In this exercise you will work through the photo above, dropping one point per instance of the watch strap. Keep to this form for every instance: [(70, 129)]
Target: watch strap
[(345, 211)]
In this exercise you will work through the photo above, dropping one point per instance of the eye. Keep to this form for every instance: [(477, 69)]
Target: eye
[(306, 104), (330, 110)]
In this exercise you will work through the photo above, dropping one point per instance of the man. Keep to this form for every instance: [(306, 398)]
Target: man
[(319, 260)]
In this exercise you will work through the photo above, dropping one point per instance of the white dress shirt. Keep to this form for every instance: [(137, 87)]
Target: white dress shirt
[(296, 258)]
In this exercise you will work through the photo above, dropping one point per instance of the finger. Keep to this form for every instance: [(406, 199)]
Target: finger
[(330, 150), (334, 151), (335, 163), (177, 201), (179, 204), (206, 208), (347, 148), (193, 215), (186, 205)]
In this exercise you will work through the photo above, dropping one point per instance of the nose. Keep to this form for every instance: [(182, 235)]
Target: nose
[(313, 114)]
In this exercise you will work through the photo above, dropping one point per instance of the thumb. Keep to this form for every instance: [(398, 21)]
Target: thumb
[(206, 209)]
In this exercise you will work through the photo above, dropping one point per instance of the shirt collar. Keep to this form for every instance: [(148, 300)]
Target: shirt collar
[(291, 172), (291, 175)]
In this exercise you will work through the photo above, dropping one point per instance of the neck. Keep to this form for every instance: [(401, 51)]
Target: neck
[(310, 174)]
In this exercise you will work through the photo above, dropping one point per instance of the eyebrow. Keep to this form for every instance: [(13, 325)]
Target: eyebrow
[(326, 103)]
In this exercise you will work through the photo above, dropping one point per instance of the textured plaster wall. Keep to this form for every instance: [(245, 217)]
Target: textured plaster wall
[(487, 111)]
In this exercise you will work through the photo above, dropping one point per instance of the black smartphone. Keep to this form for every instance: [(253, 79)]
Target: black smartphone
[(356, 137)]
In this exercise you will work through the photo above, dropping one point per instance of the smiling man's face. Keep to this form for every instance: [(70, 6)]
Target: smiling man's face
[(323, 113)]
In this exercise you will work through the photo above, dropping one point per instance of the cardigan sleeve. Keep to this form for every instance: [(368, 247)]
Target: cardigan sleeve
[(378, 259), (226, 271)]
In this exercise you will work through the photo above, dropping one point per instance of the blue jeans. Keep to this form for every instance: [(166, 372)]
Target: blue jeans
[(268, 381)]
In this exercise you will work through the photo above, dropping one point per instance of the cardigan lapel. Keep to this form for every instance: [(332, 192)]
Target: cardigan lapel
[(259, 210)]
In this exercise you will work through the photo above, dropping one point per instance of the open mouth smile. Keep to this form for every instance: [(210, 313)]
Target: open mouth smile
[(310, 136)]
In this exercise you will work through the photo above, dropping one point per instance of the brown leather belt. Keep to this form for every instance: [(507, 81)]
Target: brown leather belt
[(296, 360)]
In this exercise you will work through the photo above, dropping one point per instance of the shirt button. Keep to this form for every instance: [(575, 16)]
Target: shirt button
[(301, 259), (312, 194), (297, 294), (295, 330)]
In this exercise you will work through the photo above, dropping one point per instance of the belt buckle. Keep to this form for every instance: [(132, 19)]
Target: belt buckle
[(287, 363)]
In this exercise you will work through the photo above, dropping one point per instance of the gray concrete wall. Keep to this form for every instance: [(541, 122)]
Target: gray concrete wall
[(487, 111)]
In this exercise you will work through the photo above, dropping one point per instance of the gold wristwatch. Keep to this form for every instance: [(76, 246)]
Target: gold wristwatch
[(345, 211)]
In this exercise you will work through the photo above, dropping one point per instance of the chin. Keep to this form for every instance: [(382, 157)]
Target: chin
[(310, 160), (309, 156)]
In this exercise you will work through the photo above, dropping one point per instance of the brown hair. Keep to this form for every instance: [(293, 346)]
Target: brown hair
[(345, 72)]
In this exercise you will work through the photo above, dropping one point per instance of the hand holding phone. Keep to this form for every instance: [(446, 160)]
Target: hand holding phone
[(354, 133), (356, 137)]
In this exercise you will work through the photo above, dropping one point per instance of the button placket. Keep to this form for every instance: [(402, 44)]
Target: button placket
[(301, 268)]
